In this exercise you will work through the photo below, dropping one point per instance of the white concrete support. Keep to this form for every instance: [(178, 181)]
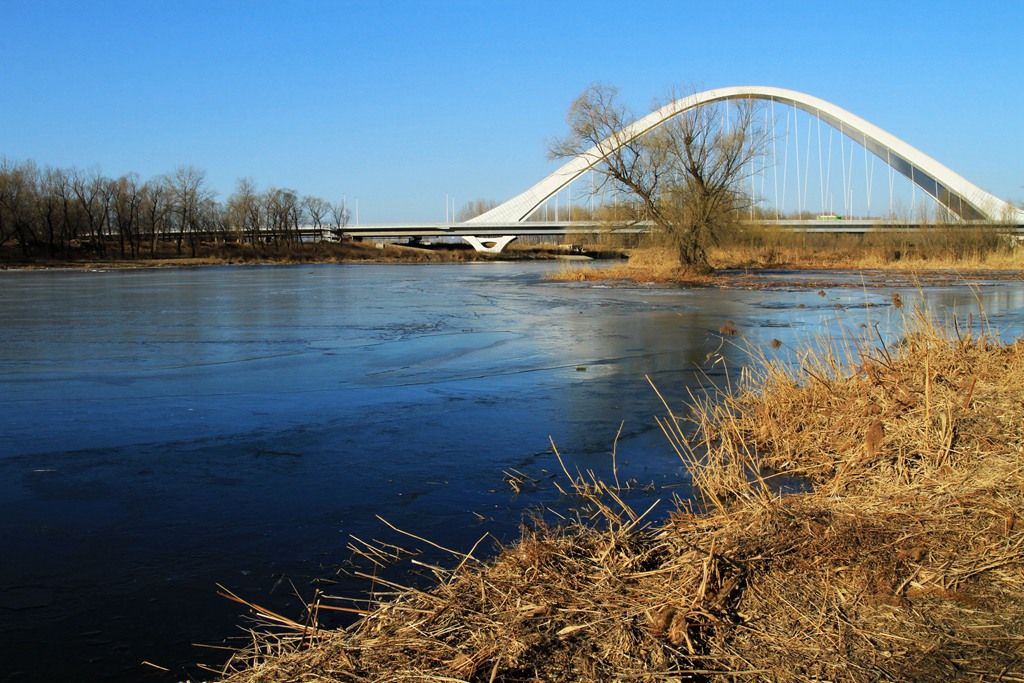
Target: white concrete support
[(489, 245)]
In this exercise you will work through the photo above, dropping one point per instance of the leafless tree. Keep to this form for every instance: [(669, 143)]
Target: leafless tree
[(684, 177), (340, 216), (244, 212), (52, 209), (188, 192), (126, 202), (283, 214), (17, 195), (317, 209), (93, 192), (157, 207)]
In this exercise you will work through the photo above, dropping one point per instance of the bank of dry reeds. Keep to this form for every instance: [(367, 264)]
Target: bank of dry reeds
[(645, 264), (960, 246), (903, 561)]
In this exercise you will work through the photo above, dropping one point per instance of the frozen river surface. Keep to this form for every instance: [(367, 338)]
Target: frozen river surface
[(162, 431)]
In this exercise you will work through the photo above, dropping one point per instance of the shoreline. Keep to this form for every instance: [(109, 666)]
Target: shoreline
[(726, 276), (902, 560), (732, 269), (323, 253)]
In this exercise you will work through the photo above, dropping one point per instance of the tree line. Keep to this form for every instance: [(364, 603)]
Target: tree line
[(58, 212)]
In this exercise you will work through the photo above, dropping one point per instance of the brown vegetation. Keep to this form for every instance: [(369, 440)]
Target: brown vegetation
[(236, 253), (952, 245), (54, 212), (650, 264), (220, 253), (959, 247), (905, 560)]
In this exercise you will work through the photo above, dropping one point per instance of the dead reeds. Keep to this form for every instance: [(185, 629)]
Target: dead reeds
[(903, 561), (952, 245), (644, 265)]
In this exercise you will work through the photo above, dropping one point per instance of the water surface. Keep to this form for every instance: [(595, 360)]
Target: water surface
[(162, 431)]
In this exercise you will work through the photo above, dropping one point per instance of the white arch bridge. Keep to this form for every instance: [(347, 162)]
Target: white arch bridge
[(493, 230)]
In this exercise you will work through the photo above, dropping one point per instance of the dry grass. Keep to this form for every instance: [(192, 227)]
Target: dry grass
[(943, 246), (231, 253), (647, 264), (865, 258), (904, 562)]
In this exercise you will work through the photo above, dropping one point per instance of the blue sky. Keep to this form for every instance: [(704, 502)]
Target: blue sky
[(400, 103)]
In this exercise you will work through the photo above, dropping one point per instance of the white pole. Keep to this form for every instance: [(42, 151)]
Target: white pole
[(785, 159), (821, 170), (796, 157), (888, 162), (846, 192), (868, 177), (828, 172), (775, 162), (807, 162)]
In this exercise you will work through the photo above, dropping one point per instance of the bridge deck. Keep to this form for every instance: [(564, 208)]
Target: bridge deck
[(590, 228)]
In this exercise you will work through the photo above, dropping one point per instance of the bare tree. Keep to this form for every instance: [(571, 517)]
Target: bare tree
[(244, 212), (93, 192), (157, 207), (340, 216), (73, 217), (189, 192), (684, 177), (126, 202), (283, 211), (18, 184), (51, 208), (211, 220), (5, 200), (317, 209)]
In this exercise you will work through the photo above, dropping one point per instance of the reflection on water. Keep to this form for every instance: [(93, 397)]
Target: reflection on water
[(167, 430)]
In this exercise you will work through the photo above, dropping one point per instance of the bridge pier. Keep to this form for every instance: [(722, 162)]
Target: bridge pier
[(490, 245)]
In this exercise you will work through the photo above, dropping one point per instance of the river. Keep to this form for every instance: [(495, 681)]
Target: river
[(166, 430)]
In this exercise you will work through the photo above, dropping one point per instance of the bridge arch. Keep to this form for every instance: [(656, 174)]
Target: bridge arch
[(953, 191)]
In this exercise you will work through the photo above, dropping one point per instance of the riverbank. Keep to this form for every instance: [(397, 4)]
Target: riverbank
[(902, 562), (737, 266), (223, 254)]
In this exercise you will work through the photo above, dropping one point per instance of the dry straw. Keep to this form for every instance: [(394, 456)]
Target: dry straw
[(903, 561)]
